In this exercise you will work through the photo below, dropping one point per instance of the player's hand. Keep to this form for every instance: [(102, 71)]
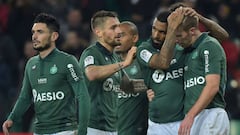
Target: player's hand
[(191, 12), (6, 125), (186, 126), (175, 18), (150, 95), (130, 56)]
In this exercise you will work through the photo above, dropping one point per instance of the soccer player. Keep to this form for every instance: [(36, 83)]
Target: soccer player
[(53, 81), (164, 74), (204, 81), (132, 106), (102, 69)]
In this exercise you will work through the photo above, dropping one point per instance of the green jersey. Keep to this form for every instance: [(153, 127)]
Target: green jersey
[(103, 92), (167, 104), (51, 84), (132, 107), (207, 57)]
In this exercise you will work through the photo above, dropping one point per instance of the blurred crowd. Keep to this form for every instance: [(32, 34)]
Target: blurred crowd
[(16, 18)]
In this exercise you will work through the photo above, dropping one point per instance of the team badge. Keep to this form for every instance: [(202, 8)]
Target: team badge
[(195, 55), (133, 70), (53, 69)]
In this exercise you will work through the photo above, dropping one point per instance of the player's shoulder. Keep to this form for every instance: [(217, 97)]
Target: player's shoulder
[(145, 44)]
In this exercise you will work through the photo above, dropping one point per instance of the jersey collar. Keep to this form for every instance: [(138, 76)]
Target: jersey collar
[(103, 49), (54, 51), (196, 43)]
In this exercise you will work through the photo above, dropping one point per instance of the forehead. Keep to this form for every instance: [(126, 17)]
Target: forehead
[(38, 26), (125, 28), (159, 25), (111, 21)]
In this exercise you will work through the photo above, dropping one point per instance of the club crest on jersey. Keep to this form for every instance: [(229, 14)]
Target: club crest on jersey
[(53, 69), (195, 55), (158, 76), (133, 70)]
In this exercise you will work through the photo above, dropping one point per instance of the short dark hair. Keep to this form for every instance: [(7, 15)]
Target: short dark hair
[(100, 17), (163, 15), (49, 20), (133, 27)]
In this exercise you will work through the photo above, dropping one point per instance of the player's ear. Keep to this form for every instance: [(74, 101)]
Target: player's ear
[(192, 31), (54, 36), (135, 38), (98, 32)]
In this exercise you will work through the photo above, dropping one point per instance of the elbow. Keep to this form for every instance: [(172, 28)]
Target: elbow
[(90, 76), (226, 36)]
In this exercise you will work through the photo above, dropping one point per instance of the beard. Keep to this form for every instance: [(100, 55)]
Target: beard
[(42, 48), (157, 45)]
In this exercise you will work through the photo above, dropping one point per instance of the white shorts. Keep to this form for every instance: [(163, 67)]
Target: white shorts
[(93, 131), (163, 128), (211, 122), (61, 133)]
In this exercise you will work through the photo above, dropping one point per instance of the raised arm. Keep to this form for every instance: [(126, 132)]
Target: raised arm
[(162, 60), (94, 72), (214, 28)]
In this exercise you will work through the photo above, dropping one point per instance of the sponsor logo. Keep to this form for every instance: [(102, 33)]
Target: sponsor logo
[(42, 80), (72, 71), (145, 55), (159, 75), (88, 61), (206, 57), (173, 61), (47, 96), (109, 86), (127, 95), (194, 81)]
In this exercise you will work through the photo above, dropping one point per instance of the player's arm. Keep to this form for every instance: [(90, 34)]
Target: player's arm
[(96, 72), (23, 103), (76, 79), (214, 28), (83, 99), (162, 60), (212, 71)]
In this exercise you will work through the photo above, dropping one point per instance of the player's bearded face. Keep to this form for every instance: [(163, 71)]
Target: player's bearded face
[(158, 32), (41, 37), (113, 40), (43, 45)]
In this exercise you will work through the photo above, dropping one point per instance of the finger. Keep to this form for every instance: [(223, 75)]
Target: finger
[(180, 131), (5, 129)]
